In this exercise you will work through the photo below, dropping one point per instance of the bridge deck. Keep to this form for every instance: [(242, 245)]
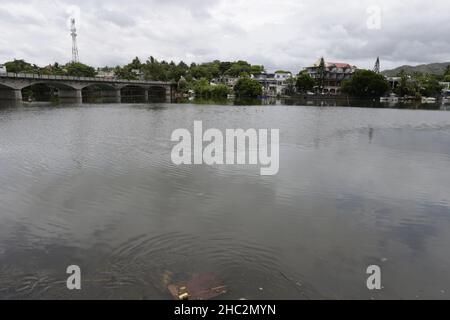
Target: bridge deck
[(31, 76)]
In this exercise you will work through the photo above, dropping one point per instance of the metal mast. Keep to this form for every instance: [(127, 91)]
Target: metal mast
[(73, 33), (377, 66)]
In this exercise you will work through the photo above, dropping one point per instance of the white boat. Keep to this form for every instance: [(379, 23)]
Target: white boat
[(391, 99), (428, 100)]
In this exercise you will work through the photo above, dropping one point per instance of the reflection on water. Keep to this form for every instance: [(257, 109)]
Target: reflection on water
[(327, 101), (93, 185)]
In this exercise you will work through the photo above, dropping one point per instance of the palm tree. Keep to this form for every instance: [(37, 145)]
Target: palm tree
[(321, 74)]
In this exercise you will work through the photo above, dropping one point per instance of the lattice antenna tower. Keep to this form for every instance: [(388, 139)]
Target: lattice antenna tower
[(73, 33), (377, 66)]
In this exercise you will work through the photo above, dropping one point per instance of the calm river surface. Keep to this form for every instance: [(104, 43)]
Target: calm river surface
[(94, 186)]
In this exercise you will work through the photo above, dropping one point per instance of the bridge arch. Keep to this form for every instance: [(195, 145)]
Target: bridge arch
[(8, 92), (4, 86), (131, 93), (101, 86), (50, 90), (157, 93), (54, 84), (100, 93)]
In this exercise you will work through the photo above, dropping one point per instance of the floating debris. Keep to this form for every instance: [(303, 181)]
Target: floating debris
[(202, 287)]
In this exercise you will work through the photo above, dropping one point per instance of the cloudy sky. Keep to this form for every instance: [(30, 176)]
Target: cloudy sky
[(279, 34)]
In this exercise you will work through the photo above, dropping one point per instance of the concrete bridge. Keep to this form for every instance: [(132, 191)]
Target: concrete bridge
[(73, 88)]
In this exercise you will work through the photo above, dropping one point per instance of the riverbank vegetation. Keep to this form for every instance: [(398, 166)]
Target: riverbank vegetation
[(218, 79), (247, 88), (74, 69), (366, 84), (304, 83), (204, 90), (418, 85)]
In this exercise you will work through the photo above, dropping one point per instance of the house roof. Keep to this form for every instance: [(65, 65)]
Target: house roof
[(333, 64), (338, 65)]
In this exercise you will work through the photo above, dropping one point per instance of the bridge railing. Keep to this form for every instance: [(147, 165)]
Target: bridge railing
[(70, 78)]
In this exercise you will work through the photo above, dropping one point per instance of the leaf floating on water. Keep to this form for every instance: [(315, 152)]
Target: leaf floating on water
[(202, 287)]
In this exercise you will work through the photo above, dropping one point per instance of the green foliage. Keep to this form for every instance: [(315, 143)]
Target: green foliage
[(305, 83), (321, 74), (70, 69), (125, 73), (418, 85), (21, 66), (219, 91), (203, 89), (290, 86), (77, 69), (54, 69), (136, 64), (429, 85), (447, 74), (366, 84), (152, 69), (183, 85), (406, 86), (447, 71), (248, 88)]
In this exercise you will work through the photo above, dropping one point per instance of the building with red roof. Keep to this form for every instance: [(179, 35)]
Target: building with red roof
[(334, 73)]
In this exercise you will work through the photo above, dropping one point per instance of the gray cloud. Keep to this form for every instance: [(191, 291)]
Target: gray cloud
[(118, 18), (280, 34)]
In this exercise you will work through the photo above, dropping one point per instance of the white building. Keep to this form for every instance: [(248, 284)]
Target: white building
[(445, 88), (274, 84), (228, 81), (106, 74)]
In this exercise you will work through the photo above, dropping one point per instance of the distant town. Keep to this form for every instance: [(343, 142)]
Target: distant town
[(221, 80)]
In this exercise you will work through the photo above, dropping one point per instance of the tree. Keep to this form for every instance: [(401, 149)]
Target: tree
[(447, 74), (239, 67), (224, 67), (366, 84), (21, 66), (248, 88), (182, 85), (290, 86), (136, 64), (219, 91), (321, 74), (77, 69), (305, 83), (429, 86), (54, 69), (404, 88), (124, 73), (203, 89), (257, 69)]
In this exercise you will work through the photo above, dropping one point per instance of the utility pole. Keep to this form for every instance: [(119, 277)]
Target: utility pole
[(73, 33)]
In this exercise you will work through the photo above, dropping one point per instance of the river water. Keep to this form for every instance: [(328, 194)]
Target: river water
[(94, 186)]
